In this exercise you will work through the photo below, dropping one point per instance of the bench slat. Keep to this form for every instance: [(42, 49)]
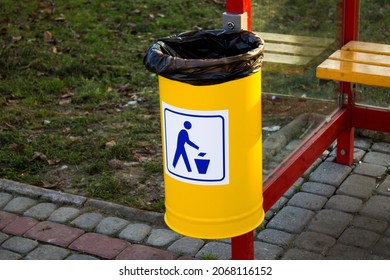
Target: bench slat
[(297, 40), (359, 73), (287, 59), (361, 57), (293, 49), (367, 47)]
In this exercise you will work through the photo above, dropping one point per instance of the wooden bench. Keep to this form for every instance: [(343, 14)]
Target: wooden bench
[(358, 62), (296, 53)]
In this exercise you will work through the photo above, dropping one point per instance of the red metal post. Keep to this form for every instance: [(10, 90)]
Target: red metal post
[(243, 245), (240, 7), (349, 32)]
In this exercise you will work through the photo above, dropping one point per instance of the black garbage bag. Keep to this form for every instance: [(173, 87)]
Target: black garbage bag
[(206, 57)]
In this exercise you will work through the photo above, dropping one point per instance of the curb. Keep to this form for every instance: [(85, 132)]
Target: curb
[(80, 201)]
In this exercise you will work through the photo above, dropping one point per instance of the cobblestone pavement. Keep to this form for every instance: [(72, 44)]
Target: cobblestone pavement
[(332, 212)]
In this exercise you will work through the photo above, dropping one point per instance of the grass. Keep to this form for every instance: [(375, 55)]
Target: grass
[(79, 112), (68, 71)]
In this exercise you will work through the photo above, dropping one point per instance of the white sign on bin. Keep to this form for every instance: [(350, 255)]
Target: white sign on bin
[(196, 145)]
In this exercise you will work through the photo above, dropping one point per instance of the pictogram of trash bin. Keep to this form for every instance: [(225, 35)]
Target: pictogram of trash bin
[(210, 101)]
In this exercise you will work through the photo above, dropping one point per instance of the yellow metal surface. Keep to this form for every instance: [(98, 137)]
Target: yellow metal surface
[(347, 71), (367, 47), (361, 57), (234, 207), (358, 62)]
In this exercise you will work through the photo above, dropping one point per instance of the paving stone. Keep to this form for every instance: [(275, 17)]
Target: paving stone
[(377, 158), (369, 169), (377, 207), (141, 252), (314, 241), (362, 143), (64, 214), (8, 255), (369, 224), (135, 232), (186, 246), (318, 188), (307, 201), (4, 199), (387, 232), (344, 203), (6, 218), (99, 245), (53, 233), (382, 247), (111, 225), (290, 192), (215, 250), (87, 221), (358, 154), (20, 225), (359, 237), (344, 252), (384, 187), (376, 257), (265, 251), (48, 252), (293, 189), (279, 204), (41, 211), (268, 215), (19, 204), (77, 257), (298, 254), (330, 222), (358, 186), (20, 245), (3, 237), (291, 219), (162, 237), (276, 237), (330, 173), (312, 167), (381, 147)]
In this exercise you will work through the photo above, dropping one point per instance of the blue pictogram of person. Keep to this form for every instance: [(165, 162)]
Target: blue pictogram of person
[(182, 140)]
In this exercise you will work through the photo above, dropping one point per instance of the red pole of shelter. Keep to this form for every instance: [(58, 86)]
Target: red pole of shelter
[(240, 7), (349, 32), (243, 245)]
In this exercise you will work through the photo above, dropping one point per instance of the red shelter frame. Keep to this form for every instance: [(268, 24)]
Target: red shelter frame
[(340, 127)]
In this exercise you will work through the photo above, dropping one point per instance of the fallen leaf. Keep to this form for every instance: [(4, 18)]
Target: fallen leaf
[(16, 39), (48, 185), (55, 50), (47, 36), (110, 144), (39, 155), (66, 98), (53, 161), (60, 18), (47, 11)]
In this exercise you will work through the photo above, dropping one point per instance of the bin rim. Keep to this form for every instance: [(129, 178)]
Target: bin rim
[(244, 52)]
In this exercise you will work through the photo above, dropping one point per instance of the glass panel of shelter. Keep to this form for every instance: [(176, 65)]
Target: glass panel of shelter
[(299, 35), (374, 26)]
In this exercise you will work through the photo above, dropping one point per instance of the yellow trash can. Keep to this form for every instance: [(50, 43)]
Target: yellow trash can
[(210, 98)]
